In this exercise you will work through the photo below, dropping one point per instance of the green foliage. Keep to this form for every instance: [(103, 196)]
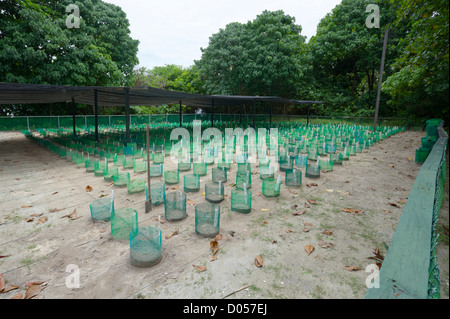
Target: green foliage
[(38, 47), (420, 82), (261, 57)]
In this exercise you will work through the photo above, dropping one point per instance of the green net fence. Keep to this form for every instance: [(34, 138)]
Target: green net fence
[(19, 123)]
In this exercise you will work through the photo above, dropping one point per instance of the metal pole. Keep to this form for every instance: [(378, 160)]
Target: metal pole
[(307, 115), (181, 116), (127, 114), (212, 113), (73, 118), (96, 114), (380, 80)]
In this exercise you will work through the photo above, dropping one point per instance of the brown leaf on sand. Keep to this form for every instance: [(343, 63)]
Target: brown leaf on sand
[(42, 220), (395, 205), (352, 268), (35, 289), (327, 232), (72, 215), (300, 212), (214, 246), (259, 261), (27, 206), (199, 268), (311, 184), (89, 188), (325, 244), (190, 202), (309, 249), (2, 282), (9, 288), (311, 201), (173, 234), (55, 210), (351, 210)]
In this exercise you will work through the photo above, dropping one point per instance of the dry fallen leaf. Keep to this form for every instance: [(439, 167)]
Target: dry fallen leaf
[(327, 232), (54, 210), (17, 296), (2, 283), (311, 201), (190, 202), (265, 209), (28, 220), (259, 261), (199, 268), (352, 268), (288, 231), (351, 210), (214, 246), (311, 184), (309, 249), (42, 220), (307, 224), (88, 188), (395, 205), (72, 215), (37, 215), (326, 245), (34, 290), (329, 190), (306, 229), (9, 288), (27, 206), (173, 234), (300, 212)]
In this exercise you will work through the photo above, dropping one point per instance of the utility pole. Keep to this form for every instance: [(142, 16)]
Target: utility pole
[(380, 79)]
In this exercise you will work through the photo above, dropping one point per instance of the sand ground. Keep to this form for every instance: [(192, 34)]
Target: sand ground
[(34, 181)]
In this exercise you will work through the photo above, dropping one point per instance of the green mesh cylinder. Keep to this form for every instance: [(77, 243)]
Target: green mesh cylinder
[(301, 160), (241, 200), (271, 187), (135, 186), (312, 171), (121, 179), (264, 162), (243, 168), (139, 166), (123, 221), (293, 177), (175, 206), (337, 158), (145, 246), (325, 164), (191, 183), (243, 181), (89, 164), (99, 166), (184, 166), (109, 172), (214, 193), (207, 219), (80, 161), (200, 168), (102, 208), (127, 162), (158, 157), (156, 170), (157, 192), (172, 177), (286, 162), (266, 172), (118, 159), (219, 174)]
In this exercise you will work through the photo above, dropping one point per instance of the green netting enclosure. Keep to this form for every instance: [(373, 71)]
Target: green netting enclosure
[(410, 269)]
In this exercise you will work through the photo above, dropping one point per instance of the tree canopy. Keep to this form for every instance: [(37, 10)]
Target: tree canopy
[(37, 46)]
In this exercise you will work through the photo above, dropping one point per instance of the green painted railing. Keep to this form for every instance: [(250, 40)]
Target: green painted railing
[(410, 270)]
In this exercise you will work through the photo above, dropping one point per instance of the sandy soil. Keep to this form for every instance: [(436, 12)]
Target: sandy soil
[(35, 181)]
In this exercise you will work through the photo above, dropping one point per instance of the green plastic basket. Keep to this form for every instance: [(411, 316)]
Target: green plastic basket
[(325, 164), (244, 181), (207, 219), (90, 165), (219, 174), (172, 177), (109, 172), (139, 166), (145, 246), (175, 206), (293, 177), (214, 193), (301, 160), (271, 187), (337, 158), (184, 166), (241, 200), (102, 208), (157, 192), (191, 183), (123, 221), (121, 179), (266, 172), (200, 168), (135, 186), (312, 171), (156, 170)]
